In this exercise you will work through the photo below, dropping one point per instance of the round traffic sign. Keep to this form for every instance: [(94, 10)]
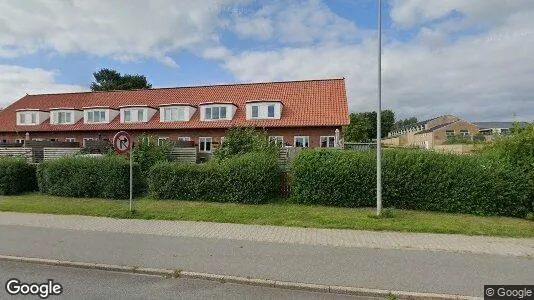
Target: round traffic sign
[(122, 142)]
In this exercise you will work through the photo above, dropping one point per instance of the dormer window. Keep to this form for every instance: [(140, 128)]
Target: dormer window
[(217, 111), (65, 116), (171, 114), (264, 109), (99, 114), (26, 117), (96, 116), (136, 114)]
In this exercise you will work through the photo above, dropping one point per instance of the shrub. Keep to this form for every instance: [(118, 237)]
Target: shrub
[(241, 140), (148, 151), (418, 180), (105, 177), (248, 178), (16, 176)]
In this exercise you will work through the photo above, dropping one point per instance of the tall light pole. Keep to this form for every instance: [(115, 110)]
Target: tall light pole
[(379, 118)]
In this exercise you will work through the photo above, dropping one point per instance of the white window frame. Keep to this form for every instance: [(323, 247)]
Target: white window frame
[(19, 141), (184, 139), (328, 137), (274, 110), (71, 140), (162, 139), (129, 113), (134, 114), (464, 132), (279, 138), (211, 114), (57, 115), (29, 118), (449, 133), (168, 114), (306, 141), (205, 138), (257, 107), (92, 113)]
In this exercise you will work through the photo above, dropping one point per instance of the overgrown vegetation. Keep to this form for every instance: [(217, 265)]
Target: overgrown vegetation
[(104, 177), (420, 180), (246, 178), (241, 140), (16, 176), (148, 151), (461, 139)]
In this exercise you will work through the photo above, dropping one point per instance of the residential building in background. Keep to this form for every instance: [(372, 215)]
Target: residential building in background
[(306, 113), (430, 133), (489, 128)]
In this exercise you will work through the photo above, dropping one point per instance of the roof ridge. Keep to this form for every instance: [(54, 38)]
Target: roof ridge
[(190, 86)]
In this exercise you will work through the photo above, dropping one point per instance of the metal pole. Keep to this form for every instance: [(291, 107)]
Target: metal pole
[(131, 179), (379, 118)]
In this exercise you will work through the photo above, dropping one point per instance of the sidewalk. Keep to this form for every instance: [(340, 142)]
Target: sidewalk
[(317, 256), (284, 235)]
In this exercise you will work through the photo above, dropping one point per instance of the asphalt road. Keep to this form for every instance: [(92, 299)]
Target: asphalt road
[(401, 270), (96, 284)]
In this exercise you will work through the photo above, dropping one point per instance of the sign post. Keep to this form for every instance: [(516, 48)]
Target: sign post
[(122, 143)]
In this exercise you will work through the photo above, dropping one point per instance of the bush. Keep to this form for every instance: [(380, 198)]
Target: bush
[(16, 176), (241, 140), (420, 180), (248, 178), (103, 177), (148, 151)]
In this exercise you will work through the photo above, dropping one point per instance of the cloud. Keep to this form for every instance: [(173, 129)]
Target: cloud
[(16, 81), (478, 76), (122, 29)]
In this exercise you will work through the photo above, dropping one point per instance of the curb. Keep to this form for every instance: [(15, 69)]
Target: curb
[(239, 280)]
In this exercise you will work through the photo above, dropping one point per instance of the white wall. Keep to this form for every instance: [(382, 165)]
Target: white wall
[(76, 115), (262, 110), (149, 113), (230, 111)]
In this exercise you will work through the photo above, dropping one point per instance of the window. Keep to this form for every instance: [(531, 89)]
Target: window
[(173, 114), (270, 111), (63, 117), (464, 132), (127, 116), (161, 139), (279, 140), (204, 144), (255, 111), (505, 131), (86, 139), (33, 117), (96, 116), (22, 118), (327, 141), (72, 140), (302, 141), (184, 138), (52, 140), (19, 141), (27, 118), (215, 113), (449, 132), (140, 115)]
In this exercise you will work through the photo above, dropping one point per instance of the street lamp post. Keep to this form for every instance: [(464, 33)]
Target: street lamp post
[(379, 118)]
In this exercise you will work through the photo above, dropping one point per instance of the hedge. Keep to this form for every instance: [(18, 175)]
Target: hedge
[(78, 176), (419, 180), (247, 178), (16, 176)]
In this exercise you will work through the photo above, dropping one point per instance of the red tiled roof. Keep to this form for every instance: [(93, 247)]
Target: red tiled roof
[(305, 103)]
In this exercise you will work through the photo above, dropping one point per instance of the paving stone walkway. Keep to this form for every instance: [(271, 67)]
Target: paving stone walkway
[(522, 247)]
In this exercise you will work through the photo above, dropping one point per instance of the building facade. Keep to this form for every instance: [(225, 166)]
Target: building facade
[(296, 113)]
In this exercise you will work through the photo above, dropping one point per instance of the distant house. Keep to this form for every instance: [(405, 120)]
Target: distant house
[(489, 128), (430, 133), (307, 113)]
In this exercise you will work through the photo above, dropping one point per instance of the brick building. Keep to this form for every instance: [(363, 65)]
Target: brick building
[(297, 113)]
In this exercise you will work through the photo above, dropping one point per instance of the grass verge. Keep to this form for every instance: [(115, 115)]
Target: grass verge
[(283, 213)]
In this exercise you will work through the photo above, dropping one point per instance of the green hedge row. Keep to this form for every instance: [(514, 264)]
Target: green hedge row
[(103, 177), (16, 176), (248, 178), (418, 180)]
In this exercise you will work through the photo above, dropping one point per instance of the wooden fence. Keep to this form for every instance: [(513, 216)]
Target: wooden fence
[(285, 187), (188, 155), (53, 153), (17, 151)]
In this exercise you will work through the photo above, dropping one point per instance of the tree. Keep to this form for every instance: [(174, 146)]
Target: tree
[(108, 79), (404, 122), (362, 127), (241, 140)]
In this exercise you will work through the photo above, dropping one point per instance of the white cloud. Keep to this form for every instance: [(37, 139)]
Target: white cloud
[(131, 29), (484, 76), (16, 81)]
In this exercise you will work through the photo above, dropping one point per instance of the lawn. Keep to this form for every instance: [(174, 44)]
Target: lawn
[(283, 213)]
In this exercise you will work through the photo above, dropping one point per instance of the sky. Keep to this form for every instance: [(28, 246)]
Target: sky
[(470, 58)]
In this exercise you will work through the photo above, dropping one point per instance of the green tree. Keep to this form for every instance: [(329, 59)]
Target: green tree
[(241, 140), (362, 127), (404, 122), (108, 79)]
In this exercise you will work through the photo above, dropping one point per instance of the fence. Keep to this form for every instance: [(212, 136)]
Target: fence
[(285, 187), (359, 146), (188, 155), (17, 151), (52, 153)]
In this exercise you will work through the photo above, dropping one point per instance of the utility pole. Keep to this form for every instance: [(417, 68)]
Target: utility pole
[(379, 118)]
